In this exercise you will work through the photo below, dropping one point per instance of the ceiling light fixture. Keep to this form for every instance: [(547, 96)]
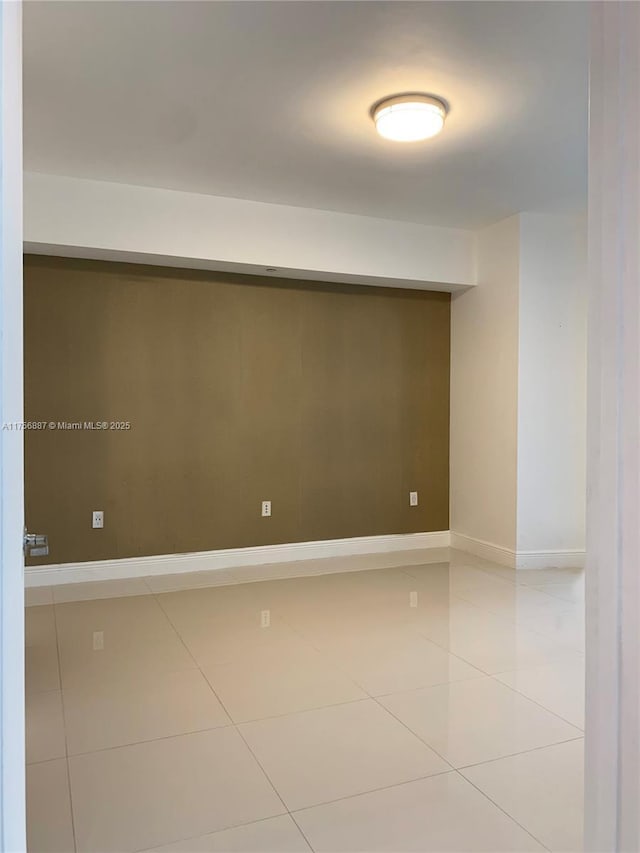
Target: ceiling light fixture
[(410, 117)]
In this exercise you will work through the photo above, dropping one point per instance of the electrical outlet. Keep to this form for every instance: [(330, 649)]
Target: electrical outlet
[(413, 499), (97, 519), (98, 641), (265, 618), (266, 509)]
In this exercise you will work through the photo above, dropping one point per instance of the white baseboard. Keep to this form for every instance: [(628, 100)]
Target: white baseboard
[(205, 561), (565, 559), (486, 550), (568, 559)]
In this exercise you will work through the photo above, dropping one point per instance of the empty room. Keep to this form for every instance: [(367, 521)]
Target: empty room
[(305, 345)]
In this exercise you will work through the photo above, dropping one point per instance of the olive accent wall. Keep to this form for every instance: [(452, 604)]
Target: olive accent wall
[(332, 401)]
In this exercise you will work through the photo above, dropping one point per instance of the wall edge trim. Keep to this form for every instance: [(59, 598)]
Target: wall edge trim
[(543, 559), (230, 558)]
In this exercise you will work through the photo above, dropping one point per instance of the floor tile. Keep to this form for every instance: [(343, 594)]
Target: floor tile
[(477, 720), (103, 715), (228, 640), (273, 835), (515, 602), (41, 652), (116, 638), (293, 600), (156, 764), (243, 604), (492, 643), (49, 825), (44, 726), (90, 590), (565, 629), (317, 756), (457, 578), (187, 580), (348, 606), (388, 662), (217, 625), (435, 815), (267, 682), (557, 688), (141, 796), (542, 790)]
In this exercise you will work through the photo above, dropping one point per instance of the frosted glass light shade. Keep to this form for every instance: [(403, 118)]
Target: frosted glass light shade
[(409, 118)]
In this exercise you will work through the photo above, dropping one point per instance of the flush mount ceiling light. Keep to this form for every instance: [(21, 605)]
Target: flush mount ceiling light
[(410, 117)]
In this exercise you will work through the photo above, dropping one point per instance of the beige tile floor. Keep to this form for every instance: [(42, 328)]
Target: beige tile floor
[(400, 705)]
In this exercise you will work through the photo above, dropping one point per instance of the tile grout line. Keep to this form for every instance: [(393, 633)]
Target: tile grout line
[(460, 774), (459, 769), (516, 622), (64, 725), (517, 754), (307, 642), (481, 674), (233, 723), (302, 833), (229, 725), (372, 791), (499, 757), (191, 655), (215, 832), (368, 697), (536, 634), (504, 812), (415, 734), (410, 629), (535, 702)]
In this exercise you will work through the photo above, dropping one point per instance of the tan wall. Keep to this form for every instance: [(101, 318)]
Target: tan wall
[(331, 401)]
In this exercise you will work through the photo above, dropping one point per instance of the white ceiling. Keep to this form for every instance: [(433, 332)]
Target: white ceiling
[(270, 101)]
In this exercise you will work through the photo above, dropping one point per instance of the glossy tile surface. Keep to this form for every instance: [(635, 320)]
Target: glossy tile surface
[(444, 813), (475, 721), (45, 738), (329, 753), (115, 638), (273, 835), (49, 824), (193, 712), (138, 796), (41, 651), (542, 789), (557, 687), (267, 682), (100, 716)]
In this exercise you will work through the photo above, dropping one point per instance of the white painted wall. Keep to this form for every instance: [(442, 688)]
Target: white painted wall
[(517, 358), (484, 393), (518, 400), (552, 367), (12, 774), (86, 218)]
